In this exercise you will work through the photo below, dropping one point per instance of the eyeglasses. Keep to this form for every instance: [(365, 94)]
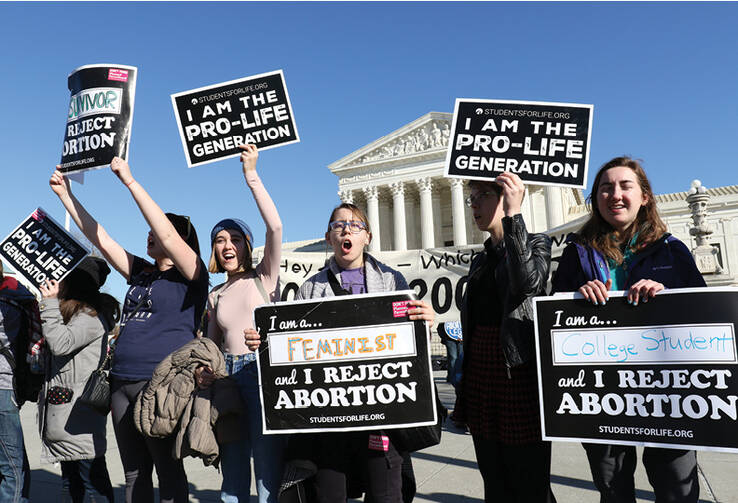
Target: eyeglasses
[(355, 226), (475, 198)]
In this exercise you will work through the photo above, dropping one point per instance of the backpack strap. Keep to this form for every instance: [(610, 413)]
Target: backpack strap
[(261, 288), (104, 353), (8, 354), (333, 282)]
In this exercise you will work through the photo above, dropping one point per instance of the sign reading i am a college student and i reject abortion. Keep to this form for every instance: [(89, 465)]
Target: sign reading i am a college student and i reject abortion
[(344, 363), (99, 117), (214, 120), (40, 249), (662, 373), (543, 143)]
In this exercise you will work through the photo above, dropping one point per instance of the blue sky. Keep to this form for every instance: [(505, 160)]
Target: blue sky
[(663, 78)]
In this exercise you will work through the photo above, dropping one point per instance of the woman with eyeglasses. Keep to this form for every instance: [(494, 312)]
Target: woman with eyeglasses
[(161, 311), (497, 397), (338, 455), (230, 313)]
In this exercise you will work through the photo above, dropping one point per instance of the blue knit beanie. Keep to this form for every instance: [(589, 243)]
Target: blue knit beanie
[(232, 223)]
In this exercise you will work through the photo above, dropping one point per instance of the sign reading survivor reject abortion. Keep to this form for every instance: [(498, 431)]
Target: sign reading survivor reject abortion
[(41, 249), (214, 120), (663, 373), (543, 143), (344, 363), (100, 116)]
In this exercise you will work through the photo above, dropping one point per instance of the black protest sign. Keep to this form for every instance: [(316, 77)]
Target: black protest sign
[(214, 120), (663, 373), (543, 143), (40, 249), (100, 116), (345, 363)]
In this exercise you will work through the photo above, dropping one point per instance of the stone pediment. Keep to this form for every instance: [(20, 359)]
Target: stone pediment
[(426, 135)]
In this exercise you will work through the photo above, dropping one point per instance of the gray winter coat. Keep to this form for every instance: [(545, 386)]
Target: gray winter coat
[(379, 278), (70, 431)]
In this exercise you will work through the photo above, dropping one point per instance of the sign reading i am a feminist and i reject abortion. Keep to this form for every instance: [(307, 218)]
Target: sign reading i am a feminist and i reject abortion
[(662, 373), (345, 363), (214, 120), (543, 143), (99, 117), (40, 249)]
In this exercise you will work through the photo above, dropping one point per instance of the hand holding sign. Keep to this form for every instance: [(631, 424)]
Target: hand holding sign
[(59, 183), (252, 339), (49, 289), (644, 289), (421, 311), (122, 170), (513, 191), (249, 156), (596, 291)]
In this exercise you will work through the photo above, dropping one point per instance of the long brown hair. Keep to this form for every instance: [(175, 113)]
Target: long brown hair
[(79, 292), (600, 235)]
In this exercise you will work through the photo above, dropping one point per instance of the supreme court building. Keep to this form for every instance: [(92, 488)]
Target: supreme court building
[(398, 180)]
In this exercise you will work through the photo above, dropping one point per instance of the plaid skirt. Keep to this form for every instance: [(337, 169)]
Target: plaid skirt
[(498, 406)]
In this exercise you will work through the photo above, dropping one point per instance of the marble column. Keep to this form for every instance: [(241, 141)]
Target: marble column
[(398, 214), (425, 188), (457, 211), (554, 207), (438, 213), (347, 196), (372, 208)]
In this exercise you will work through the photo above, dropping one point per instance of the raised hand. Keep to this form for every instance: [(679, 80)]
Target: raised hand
[(249, 156), (513, 191), (59, 183), (121, 170), (49, 289)]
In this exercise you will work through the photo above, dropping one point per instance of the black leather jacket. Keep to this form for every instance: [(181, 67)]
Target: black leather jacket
[(519, 276)]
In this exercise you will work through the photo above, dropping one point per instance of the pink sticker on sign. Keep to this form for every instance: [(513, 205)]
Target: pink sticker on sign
[(38, 215), (399, 309), (379, 443), (117, 74)]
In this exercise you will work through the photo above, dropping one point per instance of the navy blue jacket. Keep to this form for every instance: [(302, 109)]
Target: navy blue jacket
[(666, 260)]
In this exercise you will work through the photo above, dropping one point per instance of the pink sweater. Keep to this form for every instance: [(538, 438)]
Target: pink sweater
[(238, 297)]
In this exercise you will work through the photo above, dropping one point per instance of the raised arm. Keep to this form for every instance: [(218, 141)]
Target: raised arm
[(273, 243), (185, 259), (529, 259), (65, 339), (114, 253)]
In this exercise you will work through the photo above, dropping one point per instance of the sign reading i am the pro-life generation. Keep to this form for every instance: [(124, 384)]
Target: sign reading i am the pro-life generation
[(662, 373), (214, 120), (40, 249), (99, 117), (345, 363), (543, 143)]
